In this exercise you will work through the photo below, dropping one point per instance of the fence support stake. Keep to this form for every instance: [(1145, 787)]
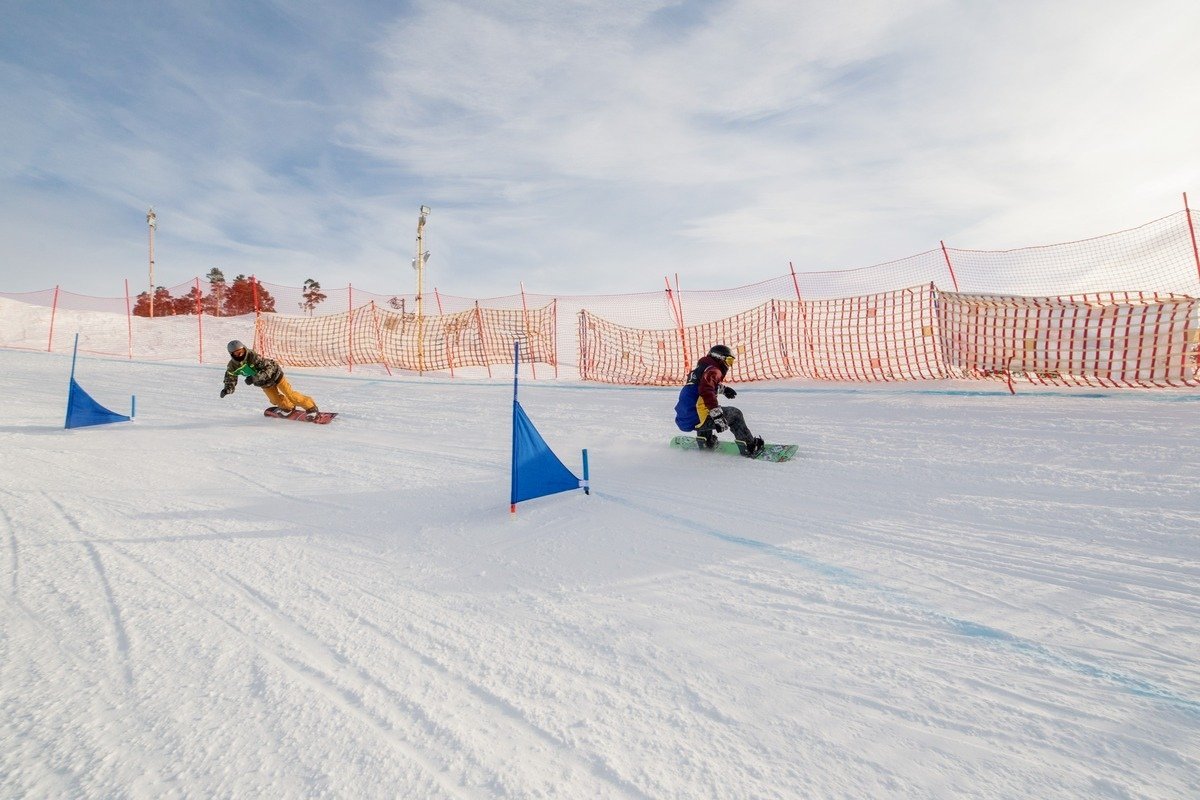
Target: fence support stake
[(53, 313), (1192, 232), (949, 266), (129, 319), (200, 320)]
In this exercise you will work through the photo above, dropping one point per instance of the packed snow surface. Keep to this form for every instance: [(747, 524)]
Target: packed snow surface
[(951, 592)]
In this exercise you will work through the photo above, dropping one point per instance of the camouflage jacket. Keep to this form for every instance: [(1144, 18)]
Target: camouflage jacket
[(266, 371)]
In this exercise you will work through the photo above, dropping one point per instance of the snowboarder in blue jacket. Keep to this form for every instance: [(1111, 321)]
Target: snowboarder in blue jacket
[(698, 410)]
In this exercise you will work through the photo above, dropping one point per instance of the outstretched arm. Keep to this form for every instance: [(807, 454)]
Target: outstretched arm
[(231, 379)]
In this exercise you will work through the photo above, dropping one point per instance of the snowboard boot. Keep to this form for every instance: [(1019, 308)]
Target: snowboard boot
[(706, 439), (753, 448), (282, 412), (312, 414)]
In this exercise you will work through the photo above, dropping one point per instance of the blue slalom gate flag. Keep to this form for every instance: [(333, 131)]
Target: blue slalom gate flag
[(82, 408), (536, 470)]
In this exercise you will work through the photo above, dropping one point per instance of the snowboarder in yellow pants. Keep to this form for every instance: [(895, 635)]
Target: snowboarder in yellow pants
[(266, 374)]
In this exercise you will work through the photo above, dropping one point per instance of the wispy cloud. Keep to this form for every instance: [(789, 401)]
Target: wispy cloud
[(581, 146)]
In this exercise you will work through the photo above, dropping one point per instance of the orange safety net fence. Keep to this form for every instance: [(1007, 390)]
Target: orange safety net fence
[(478, 337), (887, 336), (1113, 339), (967, 313), (1160, 256), (880, 337)]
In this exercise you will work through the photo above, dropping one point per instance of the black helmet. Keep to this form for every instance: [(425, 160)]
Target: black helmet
[(721, 353), (234, 346)]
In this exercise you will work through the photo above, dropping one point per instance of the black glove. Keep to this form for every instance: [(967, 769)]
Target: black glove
[(729, 393), (226, 391), (718, 419), (249, 380)]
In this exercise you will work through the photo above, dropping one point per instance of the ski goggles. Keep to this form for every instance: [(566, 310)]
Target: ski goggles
[(729, 361)]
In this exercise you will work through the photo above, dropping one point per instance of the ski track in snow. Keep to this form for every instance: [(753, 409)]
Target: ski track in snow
[(968, 628), (949, 593), (119, 651), (14, 555)]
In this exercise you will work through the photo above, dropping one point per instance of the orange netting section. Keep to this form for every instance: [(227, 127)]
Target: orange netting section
[(1159, 256), (889, 336), (880, 337), (967, 313), (1115, 339), (478, 337)]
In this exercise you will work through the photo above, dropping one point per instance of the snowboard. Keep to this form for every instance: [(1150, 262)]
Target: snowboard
[(770, 452), (323, 417)]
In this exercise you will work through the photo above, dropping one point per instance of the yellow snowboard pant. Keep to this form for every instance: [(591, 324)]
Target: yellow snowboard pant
[(283, 395)]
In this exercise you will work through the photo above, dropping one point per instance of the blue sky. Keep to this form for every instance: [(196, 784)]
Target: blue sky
[(579, 146)]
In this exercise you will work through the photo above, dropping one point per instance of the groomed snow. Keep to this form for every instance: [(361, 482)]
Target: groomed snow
[(952, 592)]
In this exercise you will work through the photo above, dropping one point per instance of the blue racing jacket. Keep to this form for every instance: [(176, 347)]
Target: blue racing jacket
[(699, 394)]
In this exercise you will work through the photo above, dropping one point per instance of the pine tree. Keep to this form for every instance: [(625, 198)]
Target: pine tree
[(214, 302), (247, 295), (164, 304), (190, 303), (312, 296)]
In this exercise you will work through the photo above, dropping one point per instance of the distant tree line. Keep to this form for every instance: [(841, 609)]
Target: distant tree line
[(223, 299)]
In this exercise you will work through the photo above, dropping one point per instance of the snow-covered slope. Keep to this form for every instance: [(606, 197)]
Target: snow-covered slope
[(950, 593)]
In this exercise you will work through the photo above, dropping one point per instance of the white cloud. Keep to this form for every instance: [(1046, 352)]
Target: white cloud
[(601, 145)]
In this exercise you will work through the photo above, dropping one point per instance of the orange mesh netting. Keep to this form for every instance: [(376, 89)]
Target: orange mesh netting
[(880, 337), (967, 313), (1111, 339), (1159, 256), (373, 335)]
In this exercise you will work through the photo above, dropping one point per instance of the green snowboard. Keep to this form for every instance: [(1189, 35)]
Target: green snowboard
[(770, 452)]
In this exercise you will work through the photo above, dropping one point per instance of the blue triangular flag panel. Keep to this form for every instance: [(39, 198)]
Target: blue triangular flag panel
[(83, 410), (537, 471)]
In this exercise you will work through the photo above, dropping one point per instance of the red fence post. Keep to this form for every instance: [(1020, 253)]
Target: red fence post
[(53, 313), (554, 327), (445, 337), (487, 360), (1192, 233), (676, 304), (805, 329), (528, 339), (129, 319), (200, 320), (949, 266)]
